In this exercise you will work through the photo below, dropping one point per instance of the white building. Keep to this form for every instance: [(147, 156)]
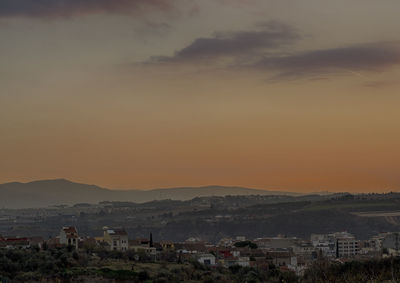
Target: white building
[(346, 245), (325, 244), (117, 239), (206, 259), (339, 244), (296, 267), (69, 236), (391, 243)]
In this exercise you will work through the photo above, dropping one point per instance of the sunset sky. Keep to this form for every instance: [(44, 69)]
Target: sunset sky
[(274, 94)]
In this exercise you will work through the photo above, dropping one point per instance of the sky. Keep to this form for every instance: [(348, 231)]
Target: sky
[(274, 94)]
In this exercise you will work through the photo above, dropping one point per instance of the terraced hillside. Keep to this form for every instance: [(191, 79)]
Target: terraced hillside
[(211, 218)]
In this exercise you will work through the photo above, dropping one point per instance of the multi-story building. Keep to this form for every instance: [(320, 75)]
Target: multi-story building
[(69, 236), (346, 245), (339, 244), (325, 244), (305, 250), (391, 244), (117, 239)]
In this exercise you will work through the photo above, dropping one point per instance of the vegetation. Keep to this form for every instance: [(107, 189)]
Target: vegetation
[(66, 265), (384, 270), (36, 265), (243, 244), (213, 218)]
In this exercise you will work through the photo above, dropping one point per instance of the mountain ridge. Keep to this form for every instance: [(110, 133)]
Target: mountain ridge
[(43, 193)]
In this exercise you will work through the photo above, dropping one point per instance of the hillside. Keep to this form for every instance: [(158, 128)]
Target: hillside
[(213, 218), (58, 192)]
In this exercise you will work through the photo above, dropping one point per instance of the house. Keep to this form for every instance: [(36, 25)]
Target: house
[(167, 245), (87, 243), (275, 243), (36, 242), (206, 259), (53, 243), (279, 257), (117, 239), (13, 243), (190, 247), (143, 245), (69, 236), (305, 250), (297, 266), (140, 242)]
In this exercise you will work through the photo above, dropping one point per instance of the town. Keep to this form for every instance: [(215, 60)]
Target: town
[(287, 253), (306, 238)]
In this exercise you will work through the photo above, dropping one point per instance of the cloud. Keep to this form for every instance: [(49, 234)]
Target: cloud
[(270, 49), (380, 84), (268, 36), (152, 29), (70, 8), (353, 60)]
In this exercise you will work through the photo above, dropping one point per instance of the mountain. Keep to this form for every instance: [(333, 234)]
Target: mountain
[(57, 192)]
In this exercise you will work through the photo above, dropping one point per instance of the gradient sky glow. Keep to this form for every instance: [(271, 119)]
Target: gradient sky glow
[(275, 94)]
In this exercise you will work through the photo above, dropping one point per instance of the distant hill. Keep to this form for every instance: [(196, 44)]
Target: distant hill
[(57, 192)]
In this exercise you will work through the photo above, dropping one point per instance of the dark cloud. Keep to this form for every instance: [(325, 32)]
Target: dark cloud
[(354, 59), (269, 36), (266, 49), (69, 8)]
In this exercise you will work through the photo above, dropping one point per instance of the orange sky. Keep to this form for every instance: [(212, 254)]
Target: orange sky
[(179, 95)]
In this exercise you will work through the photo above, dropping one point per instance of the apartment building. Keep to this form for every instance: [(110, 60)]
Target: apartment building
[(117, 239), (346, 245)]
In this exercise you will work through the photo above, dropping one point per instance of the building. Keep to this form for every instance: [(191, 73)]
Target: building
[(14, 243), (391, 244), (190, 248), (297, 266), (117, 239), (325, 244), (346, 245), (167, 245), (305, 250), (339, 244), (226, 242), (206, 259), (279, 258), (275, 243), (143, 245), (69, 236)]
